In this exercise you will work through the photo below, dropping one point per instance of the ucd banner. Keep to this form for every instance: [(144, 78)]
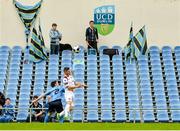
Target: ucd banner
[(104, 19)]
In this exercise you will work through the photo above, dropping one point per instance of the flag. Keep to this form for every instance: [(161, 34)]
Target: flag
[(28, 15), (140, 43), (37, 50), (41, 36), (129, 47)]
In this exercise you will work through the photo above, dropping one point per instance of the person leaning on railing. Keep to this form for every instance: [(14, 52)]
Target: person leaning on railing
[(7, 111), (37, 113)]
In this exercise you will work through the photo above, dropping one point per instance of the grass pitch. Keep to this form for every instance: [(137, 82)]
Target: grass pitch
[(90, 126)]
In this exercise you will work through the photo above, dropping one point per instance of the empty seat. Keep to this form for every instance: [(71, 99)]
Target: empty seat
[(134, 115), (120, 116), (106, 116), (22, 116), (78, 115), (92, 116)]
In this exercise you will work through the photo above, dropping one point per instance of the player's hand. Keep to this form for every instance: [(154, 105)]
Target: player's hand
[(78, 84), (33, 102), (84, 85)]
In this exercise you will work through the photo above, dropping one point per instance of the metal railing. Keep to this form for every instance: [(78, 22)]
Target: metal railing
[(135, 110)]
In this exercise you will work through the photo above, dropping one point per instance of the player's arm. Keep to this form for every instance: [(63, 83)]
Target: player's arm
[(40, 97), (49, 98), (40, 113), (77, 85), (81, 84)]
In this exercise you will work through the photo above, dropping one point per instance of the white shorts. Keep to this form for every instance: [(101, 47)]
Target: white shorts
[(69, 96)]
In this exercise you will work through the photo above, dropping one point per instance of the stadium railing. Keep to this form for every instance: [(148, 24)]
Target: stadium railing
[(85, 110)]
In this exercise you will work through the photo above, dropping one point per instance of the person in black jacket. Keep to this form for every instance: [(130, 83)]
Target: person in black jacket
[(92, 36), (2, 101), (37, 113)]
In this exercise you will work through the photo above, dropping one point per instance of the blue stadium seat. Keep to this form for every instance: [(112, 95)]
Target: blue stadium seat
[(134, 115), (90, 90), (162, 117), (120, 116), (22, 116), (117, 47), (148, 117), (1, 87), (94, 81), (78, 115), (4, 48), (101, 48), (92, 116), (92, 85), (106, 116), (16, 48), (175, 117), (38, 91)]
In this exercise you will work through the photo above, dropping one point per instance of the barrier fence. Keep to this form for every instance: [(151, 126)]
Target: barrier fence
[(135, 110)]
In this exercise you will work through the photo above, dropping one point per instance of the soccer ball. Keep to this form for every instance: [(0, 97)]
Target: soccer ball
[(76, 49)]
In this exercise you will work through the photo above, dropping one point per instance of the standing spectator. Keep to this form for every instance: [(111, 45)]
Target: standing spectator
[(37, 111), (8, 111), (92, 36), (55, 38), (2, 102)]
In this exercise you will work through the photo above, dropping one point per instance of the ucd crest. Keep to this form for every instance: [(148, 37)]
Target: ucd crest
[(104, 19)]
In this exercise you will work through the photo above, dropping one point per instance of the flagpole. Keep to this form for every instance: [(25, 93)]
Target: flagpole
[(131, 37)]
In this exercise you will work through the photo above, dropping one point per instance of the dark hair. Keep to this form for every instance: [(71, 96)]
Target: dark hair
[(91, 21), (66, 69), (8, 99), (54, 24), (35, 97), (53, 83)]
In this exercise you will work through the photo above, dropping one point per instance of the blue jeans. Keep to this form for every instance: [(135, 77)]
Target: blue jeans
[(6, 118), (54, 49)]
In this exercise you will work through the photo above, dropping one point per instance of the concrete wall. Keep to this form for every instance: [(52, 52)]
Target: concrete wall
[(161, 17)]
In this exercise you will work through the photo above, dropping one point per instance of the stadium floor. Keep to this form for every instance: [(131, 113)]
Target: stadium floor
[(90, 126)]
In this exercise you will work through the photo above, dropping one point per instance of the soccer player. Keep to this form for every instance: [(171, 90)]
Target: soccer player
[(70, 85), (55, 104)]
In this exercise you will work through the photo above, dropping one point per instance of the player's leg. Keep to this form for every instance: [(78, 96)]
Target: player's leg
[(69, 99), (67, 109), (60, 110), (47, 116), (72, 106)]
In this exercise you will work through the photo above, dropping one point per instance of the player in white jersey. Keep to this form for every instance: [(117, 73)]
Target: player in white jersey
[(70, 85)]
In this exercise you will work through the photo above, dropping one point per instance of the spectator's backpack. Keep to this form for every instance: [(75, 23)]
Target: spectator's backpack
[(64, 47)]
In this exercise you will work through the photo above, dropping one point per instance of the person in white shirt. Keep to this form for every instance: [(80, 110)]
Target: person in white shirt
[(70, 86)]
